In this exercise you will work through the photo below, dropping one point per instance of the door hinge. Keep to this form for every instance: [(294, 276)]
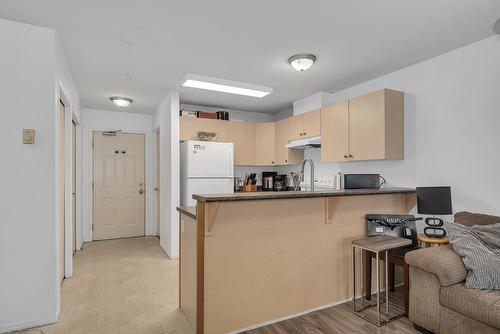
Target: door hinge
[(92, 144), (92, 227), (92, 185)]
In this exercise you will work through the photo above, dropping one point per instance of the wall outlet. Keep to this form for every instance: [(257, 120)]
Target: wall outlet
[(28, 136)]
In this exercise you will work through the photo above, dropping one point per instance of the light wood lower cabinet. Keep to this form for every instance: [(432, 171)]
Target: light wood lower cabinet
[(264, 144), (284, 156), (368, 127), (189, 127), (243, 136)]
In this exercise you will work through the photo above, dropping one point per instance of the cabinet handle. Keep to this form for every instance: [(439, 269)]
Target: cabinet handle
[(304, 133), (286, 160), (345, 156), (350, 156), (272, 162)]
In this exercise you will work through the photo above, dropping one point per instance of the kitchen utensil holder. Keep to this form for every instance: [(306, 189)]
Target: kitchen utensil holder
[(248, 188)]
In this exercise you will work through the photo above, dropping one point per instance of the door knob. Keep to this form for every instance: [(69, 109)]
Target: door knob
[(141, 191)]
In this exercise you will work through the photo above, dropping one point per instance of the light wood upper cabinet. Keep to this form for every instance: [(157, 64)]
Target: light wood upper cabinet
[(376, 126), (368, 127), (264, 144), (189, 126), (335, 132), (295, 127), (284, 156), (311, 123), (305, 125), (243, 136)]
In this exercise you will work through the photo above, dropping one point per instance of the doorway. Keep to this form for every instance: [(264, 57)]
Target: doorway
[(118, 186), (62, 193), (157, 187)]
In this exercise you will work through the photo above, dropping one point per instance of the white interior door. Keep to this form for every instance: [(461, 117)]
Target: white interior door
[(118, 185), (62, 202)]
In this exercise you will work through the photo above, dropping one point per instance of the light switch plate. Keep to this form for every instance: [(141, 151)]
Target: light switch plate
[(28, 136)]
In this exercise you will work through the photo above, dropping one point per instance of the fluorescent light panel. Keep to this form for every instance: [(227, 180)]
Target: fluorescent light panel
[(225, 86)]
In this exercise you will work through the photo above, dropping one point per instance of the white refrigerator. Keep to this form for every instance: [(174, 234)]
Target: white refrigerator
[(206, 168)]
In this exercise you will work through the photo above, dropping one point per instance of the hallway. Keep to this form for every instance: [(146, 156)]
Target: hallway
[(121, 286)]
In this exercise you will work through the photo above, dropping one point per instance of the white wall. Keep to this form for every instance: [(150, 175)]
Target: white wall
[(28, 234), (100, 120), (452, 112), (167, 115)]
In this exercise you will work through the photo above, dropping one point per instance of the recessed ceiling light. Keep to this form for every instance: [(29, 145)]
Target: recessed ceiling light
[(121, 101), (302, 62), (225, 86)]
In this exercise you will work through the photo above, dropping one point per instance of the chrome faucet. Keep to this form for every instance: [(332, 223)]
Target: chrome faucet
[(312, 171)]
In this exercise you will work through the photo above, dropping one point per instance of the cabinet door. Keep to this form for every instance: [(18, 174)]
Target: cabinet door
[(367, 126), (296, 127), (243, 136), (281, 139), (335, 132), (284, 156), (311, 123), (264, 144), (189, 127)]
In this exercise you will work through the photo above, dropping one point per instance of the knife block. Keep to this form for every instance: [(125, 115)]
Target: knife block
[(248, 188)]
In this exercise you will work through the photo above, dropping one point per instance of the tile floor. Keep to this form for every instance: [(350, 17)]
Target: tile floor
[(121, 286)]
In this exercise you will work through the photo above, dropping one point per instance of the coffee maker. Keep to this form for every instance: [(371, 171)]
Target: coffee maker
[(268, 180)]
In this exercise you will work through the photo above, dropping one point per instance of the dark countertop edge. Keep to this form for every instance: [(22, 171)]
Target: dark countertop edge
[(188, 211), (270, 195)]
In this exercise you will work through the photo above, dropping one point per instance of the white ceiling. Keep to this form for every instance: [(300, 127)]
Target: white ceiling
[(153, 43)]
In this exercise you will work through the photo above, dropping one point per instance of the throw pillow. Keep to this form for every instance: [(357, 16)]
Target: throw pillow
[(479, 248)]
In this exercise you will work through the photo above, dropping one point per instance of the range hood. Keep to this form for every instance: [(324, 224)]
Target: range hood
[(306, 143)]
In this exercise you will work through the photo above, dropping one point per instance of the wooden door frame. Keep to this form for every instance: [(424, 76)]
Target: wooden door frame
[(146, 185)]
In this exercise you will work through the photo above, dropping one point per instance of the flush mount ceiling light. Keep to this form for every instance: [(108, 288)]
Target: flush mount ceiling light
[(225, 86), (121, 101), (302, 62)]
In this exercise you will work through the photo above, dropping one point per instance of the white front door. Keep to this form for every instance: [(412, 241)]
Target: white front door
[(118, 185)]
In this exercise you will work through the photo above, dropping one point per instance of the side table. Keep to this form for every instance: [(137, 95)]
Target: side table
[(378, 245)]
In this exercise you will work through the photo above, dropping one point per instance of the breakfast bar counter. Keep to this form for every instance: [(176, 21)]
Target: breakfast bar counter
[(248, 259)]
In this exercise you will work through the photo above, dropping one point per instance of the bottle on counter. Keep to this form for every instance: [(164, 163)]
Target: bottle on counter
[(338, 181)]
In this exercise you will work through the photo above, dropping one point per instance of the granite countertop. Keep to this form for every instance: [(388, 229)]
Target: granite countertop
[(266, 195), (188, 211)]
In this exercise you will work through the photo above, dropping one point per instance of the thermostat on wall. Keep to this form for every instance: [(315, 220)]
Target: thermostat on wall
[(28, 136)]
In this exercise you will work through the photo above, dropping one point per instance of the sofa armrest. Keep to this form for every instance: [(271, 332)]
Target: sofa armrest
[(441, 261)]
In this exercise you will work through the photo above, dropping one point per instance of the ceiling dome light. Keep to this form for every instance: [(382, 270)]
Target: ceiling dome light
[(121, 101), (496, 27), (302, 62)]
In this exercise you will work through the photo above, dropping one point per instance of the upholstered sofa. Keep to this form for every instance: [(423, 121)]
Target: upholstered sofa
[(439, 301)]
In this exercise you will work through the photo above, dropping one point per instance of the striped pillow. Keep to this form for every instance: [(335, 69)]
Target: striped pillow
[(479, 248)]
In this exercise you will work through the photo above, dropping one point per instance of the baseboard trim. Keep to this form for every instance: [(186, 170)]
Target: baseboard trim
[(270, 322), (26, 324)]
